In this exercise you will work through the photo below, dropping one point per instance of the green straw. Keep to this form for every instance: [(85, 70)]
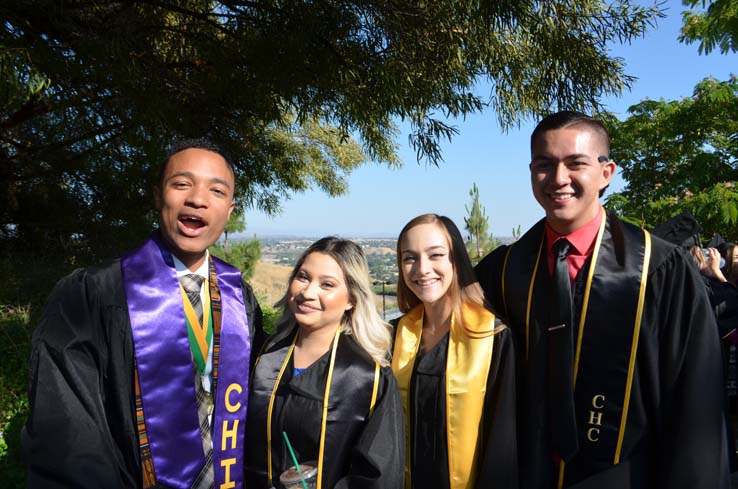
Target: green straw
[(294, 459)]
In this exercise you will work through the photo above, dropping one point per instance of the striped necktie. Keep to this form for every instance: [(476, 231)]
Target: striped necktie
[(192, 283), (205, 479)]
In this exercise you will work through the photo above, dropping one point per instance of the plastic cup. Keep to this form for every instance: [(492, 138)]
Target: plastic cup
[(290, 478)]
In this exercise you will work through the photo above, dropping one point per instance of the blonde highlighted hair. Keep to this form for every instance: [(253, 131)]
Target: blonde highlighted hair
[(464, 289), (362, 321), (698, 256)]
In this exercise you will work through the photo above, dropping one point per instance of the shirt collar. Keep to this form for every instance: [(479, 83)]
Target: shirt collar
[(202, 271), (582, 239)]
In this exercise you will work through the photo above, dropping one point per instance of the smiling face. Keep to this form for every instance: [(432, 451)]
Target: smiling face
[(567, 177), (425, 259), (194, 202), (318, 295)]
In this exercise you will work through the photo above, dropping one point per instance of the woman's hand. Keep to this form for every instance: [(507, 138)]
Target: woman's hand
[(713, 265)]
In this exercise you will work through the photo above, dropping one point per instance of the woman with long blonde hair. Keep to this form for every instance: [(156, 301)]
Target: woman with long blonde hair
[(324, 379), (454, 365)]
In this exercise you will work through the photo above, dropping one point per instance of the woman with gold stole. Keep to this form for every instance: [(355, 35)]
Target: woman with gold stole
[(454, 365), (324, 379)]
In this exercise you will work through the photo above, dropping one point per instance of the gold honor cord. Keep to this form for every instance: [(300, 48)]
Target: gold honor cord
[(582, 318), (271, 406), (585, 300), (321, 448), (634, 344), (375, 389), (530, 297), (502, 284), (324, 418), (200, 331), (634, 347)]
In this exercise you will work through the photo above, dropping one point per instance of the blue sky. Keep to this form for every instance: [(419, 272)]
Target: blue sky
[(380, 200)]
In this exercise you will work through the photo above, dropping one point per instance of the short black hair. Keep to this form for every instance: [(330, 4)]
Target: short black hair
[(180, 145), (569, 118)]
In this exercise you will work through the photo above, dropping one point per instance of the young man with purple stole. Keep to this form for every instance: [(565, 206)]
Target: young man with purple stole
[(618, 355), (140, 368)]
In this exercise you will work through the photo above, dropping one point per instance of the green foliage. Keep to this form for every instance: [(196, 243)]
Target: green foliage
[(480, 241), (242, 255), (27, 280), (382, 267), (92, 92), (714, 27), (236, 224), (516, 232), (681, 155), (270, 317), (389, 289), (15, 350)]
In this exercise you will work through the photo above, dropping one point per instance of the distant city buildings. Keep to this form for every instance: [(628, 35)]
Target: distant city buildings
[(380, 254)]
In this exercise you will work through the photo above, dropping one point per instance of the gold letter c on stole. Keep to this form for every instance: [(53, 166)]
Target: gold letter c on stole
[(232, 408), (595, 418)]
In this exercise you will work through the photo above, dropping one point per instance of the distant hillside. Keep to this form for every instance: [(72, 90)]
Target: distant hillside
[(270, 281), (378, 251)]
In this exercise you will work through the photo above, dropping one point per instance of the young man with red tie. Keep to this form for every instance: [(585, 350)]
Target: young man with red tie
[(618, 354)]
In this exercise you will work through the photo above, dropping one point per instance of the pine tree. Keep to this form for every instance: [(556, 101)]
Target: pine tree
[(236, 224), (480, 242)]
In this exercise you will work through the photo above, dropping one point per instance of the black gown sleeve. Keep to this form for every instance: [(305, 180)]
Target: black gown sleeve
[(255, 319), (489, 275), (67, 441), (498, 466), (378, 458), (724, 300), (691, 447)]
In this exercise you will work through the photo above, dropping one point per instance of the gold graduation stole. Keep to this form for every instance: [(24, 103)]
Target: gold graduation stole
[(470, 347)]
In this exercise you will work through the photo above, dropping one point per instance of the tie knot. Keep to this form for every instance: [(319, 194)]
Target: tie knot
[(191, 282), (561, 248)]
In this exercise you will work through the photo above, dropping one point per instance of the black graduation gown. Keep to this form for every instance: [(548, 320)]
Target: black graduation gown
[(498, 459), (362, 450), (724, 301), (674, 435), (81, 430)]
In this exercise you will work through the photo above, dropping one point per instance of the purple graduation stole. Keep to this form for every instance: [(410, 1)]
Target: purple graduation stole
[(166, 375)]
